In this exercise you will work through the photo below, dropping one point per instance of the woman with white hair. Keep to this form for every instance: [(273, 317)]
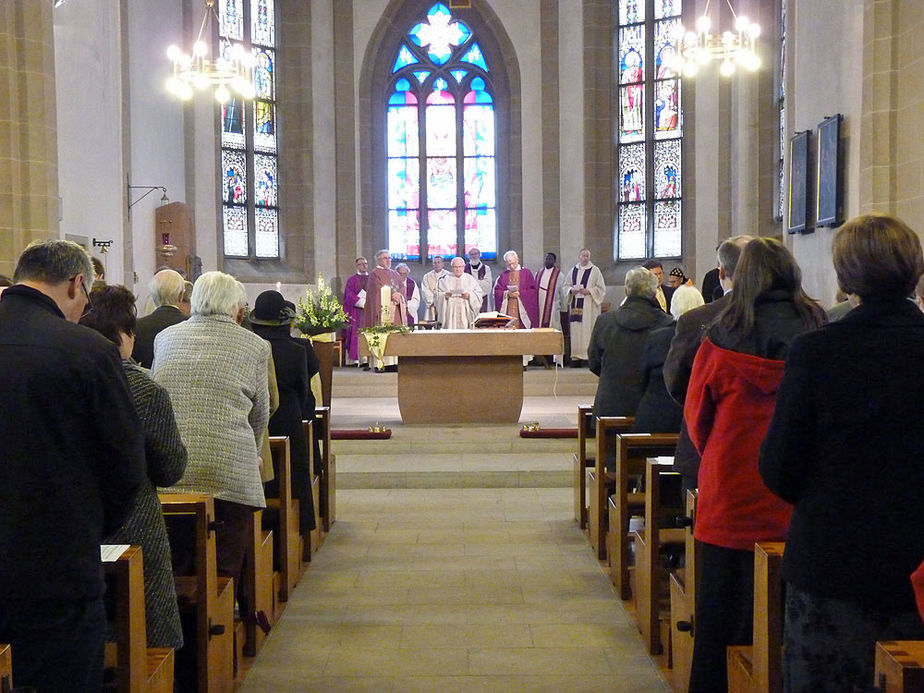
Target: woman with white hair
[(617, 345), (216, 374)]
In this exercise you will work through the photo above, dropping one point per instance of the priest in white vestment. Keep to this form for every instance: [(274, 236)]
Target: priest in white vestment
[(585, 289), (458, 298), (428, 287)]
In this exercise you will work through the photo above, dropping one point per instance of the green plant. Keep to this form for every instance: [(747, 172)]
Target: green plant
[(319, 310)]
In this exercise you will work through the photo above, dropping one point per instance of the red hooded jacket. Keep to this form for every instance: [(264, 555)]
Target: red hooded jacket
[(729, 405)]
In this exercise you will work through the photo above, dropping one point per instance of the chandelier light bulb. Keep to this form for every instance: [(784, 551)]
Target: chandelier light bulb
[(727, 68), (741, 23), (200, 48), (703, 24), (173, 53), (753, 31), (690, 69), (222, 95)]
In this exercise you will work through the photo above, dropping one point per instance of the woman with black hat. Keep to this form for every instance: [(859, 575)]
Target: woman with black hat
[(295, 363)]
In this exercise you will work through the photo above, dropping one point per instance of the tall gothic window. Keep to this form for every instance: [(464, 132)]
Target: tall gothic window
[(441, 142), (249, 165), (649, 137)]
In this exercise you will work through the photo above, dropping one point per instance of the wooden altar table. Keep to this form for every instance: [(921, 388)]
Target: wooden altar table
[(464, 376)]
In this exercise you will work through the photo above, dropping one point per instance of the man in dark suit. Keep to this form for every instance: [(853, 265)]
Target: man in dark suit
[(665, 291), (72, 460), (167, 288), (689, 333)]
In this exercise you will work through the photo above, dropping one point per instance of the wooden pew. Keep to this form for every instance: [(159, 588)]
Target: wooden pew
[(258, 584), (631, 451), (662, 506), (607, 427), (900, 666), (286, 508), (6, 668), (312, 540), (206, 597), (327, 472), (139, 669), (581, 460), (758, 668), (683, 604)]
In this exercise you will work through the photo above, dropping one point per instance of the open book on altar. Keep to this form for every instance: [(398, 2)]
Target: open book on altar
[(494, 319)]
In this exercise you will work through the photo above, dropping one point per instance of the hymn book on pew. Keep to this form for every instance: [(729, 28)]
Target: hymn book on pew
[(494, 319), (109, 553)]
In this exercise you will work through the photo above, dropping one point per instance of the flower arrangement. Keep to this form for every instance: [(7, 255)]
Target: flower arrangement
[(376, 337), (319, 310)]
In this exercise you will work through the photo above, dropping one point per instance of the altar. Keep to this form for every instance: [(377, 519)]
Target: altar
[(464, 376)]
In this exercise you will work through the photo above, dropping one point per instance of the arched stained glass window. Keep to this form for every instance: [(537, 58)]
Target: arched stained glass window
[(650, 133), (441, 149), (249, 165)]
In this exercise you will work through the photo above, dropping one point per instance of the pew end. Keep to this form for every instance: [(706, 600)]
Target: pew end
[(759, 667), (899, 666), (285, 508), (630, 453), (651, 591), (599, 485), (206, 600), (683, 602), (137, 667)]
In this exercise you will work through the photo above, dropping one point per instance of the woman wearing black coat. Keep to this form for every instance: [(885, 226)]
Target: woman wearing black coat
[(295, 364), (845, 447)]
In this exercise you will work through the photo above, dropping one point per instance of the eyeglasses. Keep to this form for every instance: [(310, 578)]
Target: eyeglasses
[(89, 307)]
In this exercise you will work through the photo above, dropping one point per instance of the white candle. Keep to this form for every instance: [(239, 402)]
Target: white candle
[(279, 287), (385, 296)]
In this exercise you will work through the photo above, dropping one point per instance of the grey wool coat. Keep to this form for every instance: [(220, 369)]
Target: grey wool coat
[(165, 457), (215, 372)]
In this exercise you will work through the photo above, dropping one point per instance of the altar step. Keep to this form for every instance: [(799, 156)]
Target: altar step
[(456, 455)]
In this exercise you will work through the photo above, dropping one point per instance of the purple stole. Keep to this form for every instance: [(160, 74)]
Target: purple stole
[(577, 302), (545, 318), (479, 276), (409, 292)]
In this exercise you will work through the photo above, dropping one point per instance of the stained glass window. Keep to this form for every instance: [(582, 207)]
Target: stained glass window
[(649, 142), (441, 142), (249, 136)]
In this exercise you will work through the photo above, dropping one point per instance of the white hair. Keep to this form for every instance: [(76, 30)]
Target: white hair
[(509, 253), (641, 282), (685, 298), (167, 287), (217, 293)]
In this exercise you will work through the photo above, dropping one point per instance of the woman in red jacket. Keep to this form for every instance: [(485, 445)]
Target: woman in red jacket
[(730, 401)]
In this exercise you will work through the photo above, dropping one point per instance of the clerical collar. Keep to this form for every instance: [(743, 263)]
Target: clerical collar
[(475, 265)]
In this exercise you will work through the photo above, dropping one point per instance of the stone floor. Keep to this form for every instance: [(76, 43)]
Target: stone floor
[(454, 590), (444, 584)]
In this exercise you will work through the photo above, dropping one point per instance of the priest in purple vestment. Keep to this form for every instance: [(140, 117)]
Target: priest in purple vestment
[(354, 299), (516, 293)]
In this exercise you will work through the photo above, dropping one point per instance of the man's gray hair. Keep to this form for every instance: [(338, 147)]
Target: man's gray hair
[(509, 253), (641, 282), (729, 252), (54, 261), (216, 293), (383, 251), (166, 288), (400, 265)]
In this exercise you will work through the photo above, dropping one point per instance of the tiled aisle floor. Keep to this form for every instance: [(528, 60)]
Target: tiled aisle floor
[(454, 590)]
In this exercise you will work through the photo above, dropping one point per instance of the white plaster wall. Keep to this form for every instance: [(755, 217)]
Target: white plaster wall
[(521, 21), (156, 154), (571, 129), (825, 59), (89, 95)]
